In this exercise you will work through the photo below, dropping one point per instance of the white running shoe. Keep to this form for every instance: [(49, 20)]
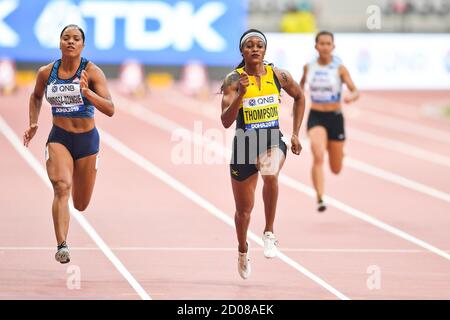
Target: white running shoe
[(270, 245), (63, 254), (244, 267)]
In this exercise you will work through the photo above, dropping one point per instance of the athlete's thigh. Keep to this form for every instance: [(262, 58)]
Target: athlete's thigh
[(59, 163), (84, 174), (318, 139), (335, 154), (244, 192)]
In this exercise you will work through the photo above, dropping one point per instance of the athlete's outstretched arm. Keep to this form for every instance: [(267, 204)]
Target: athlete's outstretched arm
[(234, 88), (294, 90), (36, 102), (345, 76), (95, 88)]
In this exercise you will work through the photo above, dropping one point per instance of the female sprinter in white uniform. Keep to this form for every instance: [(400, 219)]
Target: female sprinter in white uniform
[(325, 76), (74, 87)]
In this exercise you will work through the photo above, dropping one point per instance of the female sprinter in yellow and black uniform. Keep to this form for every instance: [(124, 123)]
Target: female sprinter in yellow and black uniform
[(74, 87), (325, 76), (251, 98)]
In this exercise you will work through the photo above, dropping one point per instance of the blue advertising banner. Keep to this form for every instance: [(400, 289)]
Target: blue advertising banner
[(170, 32)]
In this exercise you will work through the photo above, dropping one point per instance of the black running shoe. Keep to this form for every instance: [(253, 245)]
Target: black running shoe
[(321, 206)]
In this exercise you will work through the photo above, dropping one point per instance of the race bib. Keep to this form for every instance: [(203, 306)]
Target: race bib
[(260, 112), (65, 97), (324, 87)]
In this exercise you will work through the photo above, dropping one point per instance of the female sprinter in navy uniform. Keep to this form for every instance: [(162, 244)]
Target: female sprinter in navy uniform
[(74, 87), (325, 76), (251, 98)]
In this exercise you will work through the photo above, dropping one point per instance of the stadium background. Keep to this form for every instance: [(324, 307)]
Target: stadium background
[(385, 44)]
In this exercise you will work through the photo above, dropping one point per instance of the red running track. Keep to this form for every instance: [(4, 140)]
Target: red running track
[(169, 224)]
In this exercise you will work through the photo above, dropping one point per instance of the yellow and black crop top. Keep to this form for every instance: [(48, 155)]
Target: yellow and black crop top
[(259, 107)]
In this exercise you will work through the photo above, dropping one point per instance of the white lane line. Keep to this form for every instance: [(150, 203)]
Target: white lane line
[(169, 125), (387, 175), (39, 170), (155, 171), (200, 249), (364, 216), (397, 146), (397, 179), (362, 166), (372, 117), (400, 125), (354, 134)]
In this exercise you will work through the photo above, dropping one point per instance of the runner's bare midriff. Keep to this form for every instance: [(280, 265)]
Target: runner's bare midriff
[(75, 125), (325, 107)]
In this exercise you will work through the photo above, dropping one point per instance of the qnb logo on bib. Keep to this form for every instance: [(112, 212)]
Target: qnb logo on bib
[(261, 112), (65, 96), (260, 101)]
